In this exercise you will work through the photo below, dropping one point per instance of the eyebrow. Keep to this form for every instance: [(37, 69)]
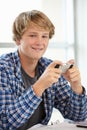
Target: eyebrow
[(37, 33)]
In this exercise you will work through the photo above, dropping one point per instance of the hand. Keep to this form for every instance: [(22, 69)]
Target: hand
[(73, 76), (50, 76)]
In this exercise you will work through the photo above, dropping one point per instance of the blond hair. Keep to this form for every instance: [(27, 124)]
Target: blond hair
[(26, 19)]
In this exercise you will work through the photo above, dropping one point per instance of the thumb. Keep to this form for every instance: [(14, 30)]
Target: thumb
[(72, 61)]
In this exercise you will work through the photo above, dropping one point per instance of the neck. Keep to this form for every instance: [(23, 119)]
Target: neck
[(29, 65)]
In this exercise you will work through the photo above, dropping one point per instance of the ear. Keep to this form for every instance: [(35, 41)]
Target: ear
[(18, 42)]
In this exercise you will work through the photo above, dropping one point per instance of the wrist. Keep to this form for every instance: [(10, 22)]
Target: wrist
[(78, 89), (38, 89)]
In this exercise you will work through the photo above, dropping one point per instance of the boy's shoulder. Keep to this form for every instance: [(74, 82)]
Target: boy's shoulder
[(8, 58)]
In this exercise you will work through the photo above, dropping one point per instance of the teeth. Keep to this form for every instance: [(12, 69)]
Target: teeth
[(37, 48)]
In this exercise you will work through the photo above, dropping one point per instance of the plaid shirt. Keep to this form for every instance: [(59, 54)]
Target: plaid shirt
[(17, 104)]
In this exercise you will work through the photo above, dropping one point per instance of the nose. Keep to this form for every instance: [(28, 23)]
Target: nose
[(39, 40)]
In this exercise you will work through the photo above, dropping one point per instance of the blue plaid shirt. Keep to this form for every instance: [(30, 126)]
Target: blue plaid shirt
[(18, 104)]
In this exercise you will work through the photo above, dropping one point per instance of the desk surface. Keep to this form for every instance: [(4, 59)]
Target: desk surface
[(59, 126)]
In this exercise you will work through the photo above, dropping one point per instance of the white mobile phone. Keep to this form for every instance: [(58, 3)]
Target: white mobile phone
[(65, 67)]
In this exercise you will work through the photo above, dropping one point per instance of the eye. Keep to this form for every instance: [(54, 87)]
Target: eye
[(32, 35), (45, 36)]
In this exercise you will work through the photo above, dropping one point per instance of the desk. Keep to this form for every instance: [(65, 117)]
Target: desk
[(58, 126)]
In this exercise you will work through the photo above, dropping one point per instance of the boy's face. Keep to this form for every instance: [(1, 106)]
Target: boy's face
[(34, 43)]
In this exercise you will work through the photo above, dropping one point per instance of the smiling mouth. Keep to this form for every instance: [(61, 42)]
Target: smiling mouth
[(37, 49)]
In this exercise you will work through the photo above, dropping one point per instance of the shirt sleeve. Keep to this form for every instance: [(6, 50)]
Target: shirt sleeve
[(78, 106), (15, 112), (72, 106)]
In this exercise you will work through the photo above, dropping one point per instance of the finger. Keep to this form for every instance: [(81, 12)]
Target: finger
[(72, 61), (75, 78), (74, 70), (75, 74)]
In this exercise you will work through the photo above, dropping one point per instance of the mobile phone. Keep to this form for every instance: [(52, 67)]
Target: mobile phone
[(65, 67)]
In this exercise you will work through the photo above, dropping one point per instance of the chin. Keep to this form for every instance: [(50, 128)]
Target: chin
[(37, 58)]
